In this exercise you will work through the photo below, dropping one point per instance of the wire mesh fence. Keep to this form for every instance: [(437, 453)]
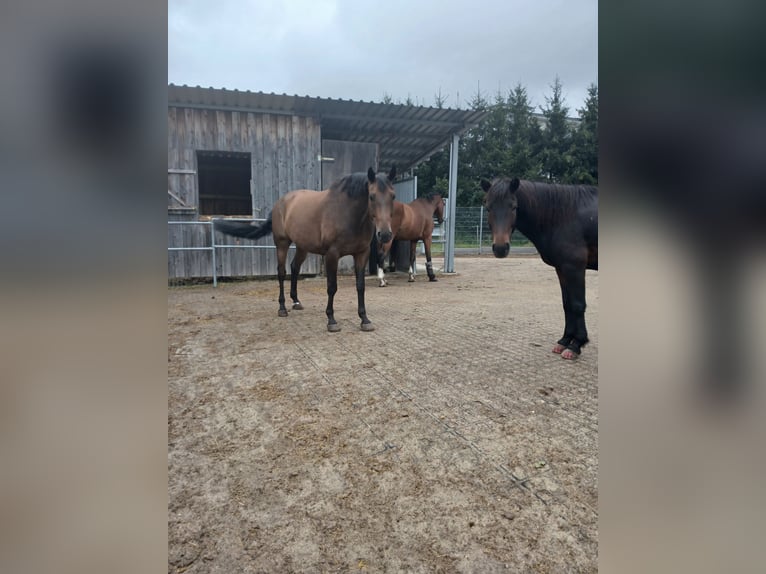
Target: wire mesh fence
[(472, 233)]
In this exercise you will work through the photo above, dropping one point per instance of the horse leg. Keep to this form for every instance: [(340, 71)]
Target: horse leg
[(391, 251), (282, 248), (429, 265), (360, 265), (575, 329), (413, 249), (385, 249), (295, 269), (562, 343), (331, 268)]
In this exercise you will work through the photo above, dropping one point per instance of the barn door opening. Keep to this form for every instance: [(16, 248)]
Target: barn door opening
[(224, 183)]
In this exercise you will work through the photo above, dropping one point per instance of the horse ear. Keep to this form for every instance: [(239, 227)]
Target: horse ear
[(371, 175), (515, 184), (485, 185), (392, 173)]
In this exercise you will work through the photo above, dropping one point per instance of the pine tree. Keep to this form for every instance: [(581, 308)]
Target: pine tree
[(556, 136), (439, 99), (524, 137), (584, 150)]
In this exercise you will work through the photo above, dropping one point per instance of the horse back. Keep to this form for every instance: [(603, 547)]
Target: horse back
[(415, 225), (299, 215)]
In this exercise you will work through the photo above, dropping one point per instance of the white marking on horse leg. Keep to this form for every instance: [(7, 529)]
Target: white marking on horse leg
[(381, 277)]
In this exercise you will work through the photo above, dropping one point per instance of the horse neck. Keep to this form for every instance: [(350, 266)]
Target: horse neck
[(528, 219), (358, 210), (425, 207)]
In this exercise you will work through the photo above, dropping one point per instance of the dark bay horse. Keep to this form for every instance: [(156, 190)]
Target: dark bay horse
[(413, 221), (562, 222), (335, 222)]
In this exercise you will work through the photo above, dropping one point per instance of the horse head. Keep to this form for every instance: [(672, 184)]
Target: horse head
[(439, 208), (501, 203), (381, 202)]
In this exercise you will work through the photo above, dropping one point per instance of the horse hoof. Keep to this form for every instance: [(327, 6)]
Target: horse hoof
[(298, 306), (569, 355), (411, 280), (558, 349), (282, 313), (368, 327), (333, 327), (382, 284), (433, 279)]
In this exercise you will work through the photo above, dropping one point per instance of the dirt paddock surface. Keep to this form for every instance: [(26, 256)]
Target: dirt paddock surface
[(450, 439)]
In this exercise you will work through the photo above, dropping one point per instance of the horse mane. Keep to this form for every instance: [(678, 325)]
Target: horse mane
[(355, 185), (430, 196), (549, 203)]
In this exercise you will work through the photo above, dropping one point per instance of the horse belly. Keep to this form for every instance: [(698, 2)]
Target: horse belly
[(303, 219)]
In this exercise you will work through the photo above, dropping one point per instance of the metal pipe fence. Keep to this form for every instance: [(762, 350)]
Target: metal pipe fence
[(213, 246), (471, 234)]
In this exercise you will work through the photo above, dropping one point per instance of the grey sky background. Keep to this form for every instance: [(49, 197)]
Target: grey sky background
[(361, 50)]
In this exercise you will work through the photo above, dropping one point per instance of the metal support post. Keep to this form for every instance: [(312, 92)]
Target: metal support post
[(449, 247)]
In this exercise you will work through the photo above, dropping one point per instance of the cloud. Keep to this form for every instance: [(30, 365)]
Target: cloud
[(351, 50)]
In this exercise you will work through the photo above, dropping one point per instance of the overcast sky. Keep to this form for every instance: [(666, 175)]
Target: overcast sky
[(363, 49)]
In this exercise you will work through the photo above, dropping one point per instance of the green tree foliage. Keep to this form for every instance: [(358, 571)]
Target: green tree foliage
[(584, 150), (524, 137), (514, 141), (557, 137)]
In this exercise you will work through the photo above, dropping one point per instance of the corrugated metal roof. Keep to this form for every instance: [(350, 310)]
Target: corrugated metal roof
[(407, 135)]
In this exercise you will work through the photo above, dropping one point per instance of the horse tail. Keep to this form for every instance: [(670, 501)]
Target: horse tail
[(246, 230)]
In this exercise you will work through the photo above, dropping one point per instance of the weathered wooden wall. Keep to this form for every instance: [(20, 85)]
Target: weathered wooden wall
[(285, 152)]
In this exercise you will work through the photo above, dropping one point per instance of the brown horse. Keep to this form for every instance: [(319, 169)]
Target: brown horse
[(413, 221), (562, 222), (335, 222)]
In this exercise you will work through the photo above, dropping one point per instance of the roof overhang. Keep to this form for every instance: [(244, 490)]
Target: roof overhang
[(406, 135)]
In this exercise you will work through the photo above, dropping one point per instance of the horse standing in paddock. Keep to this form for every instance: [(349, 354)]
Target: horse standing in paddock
[(413, 221), (335, 222), (562, 222)]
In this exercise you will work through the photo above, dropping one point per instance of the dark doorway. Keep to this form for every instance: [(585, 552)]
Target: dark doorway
[(224, 183)]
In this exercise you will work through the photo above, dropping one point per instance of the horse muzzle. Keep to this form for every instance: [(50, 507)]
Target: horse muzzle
[(384, 236), (501, 251)]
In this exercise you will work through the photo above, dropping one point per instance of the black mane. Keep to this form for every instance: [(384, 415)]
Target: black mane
[(355, 185), (431, 195), (550, 202)]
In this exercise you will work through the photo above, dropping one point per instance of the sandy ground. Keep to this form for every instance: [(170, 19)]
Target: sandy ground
[(450, 439)]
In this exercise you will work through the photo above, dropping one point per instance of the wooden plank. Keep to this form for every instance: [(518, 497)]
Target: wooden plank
[(199, 142), (282, 150), (298, 160), (314, 149), (220, 126), (172, 129), (207, 121), (180, 130), (191, 141), (233, 141), (273, 184), (256, 138)]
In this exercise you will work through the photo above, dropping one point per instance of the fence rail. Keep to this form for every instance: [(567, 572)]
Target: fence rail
[(212, 246), (471, 233)]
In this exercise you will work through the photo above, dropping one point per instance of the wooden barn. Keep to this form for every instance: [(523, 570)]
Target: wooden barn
[(233, 154)]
